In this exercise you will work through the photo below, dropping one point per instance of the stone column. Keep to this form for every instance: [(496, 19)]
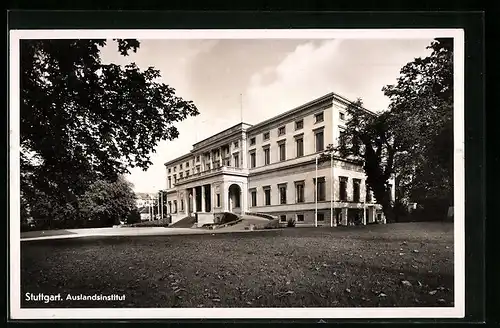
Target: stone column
[(244, 151), (186, 202), (364, 215), (225, 197), (202, 199), (194, 199), (244, 198), (343, 216)]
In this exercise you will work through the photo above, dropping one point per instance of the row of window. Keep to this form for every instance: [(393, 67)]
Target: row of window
[(282, 154), (320, 192)]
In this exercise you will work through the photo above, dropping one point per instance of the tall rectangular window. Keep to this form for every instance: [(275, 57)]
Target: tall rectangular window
[(266, 136), (299, 142), (319, 117), (282, 189), (252, 141), (342, 137), (218, 200), (300, 217), (267, 156), (236, 158), (169, 182), (320, 188), (182, 204), (282, 149), (356, 184), (283, 218), (175, 206), (281, 131), (299, 124), (299, 192), (236, 144), (321, 217), (253, 161), (267, 195), (343, 188), (253, 195), (368, 197), (320, 144), (169, 207)]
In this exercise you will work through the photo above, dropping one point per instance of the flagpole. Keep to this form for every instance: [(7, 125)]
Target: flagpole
[(331, 190), (241, 108)]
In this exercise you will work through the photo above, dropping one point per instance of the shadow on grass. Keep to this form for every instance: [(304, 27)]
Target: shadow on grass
[(45, 233)]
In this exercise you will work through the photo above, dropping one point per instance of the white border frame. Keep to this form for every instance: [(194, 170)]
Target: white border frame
[(457, 311)]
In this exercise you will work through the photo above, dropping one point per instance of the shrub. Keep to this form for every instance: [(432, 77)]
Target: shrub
[(134, 217), (291, 223), (225, 217)]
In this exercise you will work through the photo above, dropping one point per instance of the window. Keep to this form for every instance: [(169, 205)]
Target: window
[(208, 166), (299, 125), (321, 217), (236, 144), (282, 151), (187, 164), (342, 116), (282, 189), (320, 189), (283, 217), (281, 131), (198, 169), (197, 159), (175, 178), (175, 206), (253, 162), (180, 175), (253, 195), (343, 188), (175, 168), (169, 170), (300, 217), (252, 141), (169, 182), (187, 174), (267, 195), (320, 145), (236, 158), (299, 142), (169, 207), (368, 194), (342, 136), (182, 204), (319, 117), (299, 192), (356, 183), (218, 200), (180, 166), (266, 135), (267, 156)]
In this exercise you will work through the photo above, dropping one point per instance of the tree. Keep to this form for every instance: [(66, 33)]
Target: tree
[(369, 141), (421, 103), (83, 120), (106, 204)]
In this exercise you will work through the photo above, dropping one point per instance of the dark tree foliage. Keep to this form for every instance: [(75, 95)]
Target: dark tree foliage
[(83, 120)]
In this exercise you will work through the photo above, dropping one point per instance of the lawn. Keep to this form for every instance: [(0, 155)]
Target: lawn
[(407, 264)]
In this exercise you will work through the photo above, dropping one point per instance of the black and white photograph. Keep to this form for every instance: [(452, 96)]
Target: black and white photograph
[(179, 174)]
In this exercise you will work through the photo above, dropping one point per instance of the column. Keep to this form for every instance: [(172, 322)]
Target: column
[(202, 199), (193, 191), (225, 197), (343, 216), (244, 152), (364, 215), (186, 202), (244, 198)]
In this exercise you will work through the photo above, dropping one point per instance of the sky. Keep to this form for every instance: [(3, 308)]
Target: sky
[(231, 80)]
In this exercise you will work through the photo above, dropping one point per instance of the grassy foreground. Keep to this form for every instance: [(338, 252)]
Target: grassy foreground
[(408, 264)]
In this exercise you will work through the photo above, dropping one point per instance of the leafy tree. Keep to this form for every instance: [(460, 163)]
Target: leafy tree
[(106, 204), (422, 120), (369, 141), (83, 120)]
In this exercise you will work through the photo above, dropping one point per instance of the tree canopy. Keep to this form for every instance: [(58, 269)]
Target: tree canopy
[(413, 139), (83, 120)]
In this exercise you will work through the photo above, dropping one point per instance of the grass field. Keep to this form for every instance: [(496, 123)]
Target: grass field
[(409, 264)]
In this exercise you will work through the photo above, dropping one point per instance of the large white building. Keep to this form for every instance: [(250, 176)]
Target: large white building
[(270, 168)]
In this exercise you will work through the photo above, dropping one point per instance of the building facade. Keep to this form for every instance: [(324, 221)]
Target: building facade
[(271, 168)]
